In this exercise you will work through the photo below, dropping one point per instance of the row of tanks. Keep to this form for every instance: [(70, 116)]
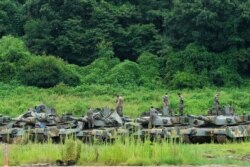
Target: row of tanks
[(218, 127), (42, 123)]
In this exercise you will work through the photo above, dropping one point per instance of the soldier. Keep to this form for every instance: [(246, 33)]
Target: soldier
[(40, 108), (119, 105), (153, 115), (166, 111), (36, 110), (165, 100), (90, 118), (216, 103), (181, 105)]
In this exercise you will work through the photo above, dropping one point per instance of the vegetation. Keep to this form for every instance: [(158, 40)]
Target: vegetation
[(18, 64), (17, 99), (184, 44), (139, 99), (76, 54), (130, 153)]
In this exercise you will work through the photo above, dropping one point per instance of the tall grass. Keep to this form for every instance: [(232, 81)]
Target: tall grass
[(131, 153), (17, 99)]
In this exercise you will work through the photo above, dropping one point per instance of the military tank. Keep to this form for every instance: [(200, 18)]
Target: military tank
[(38, 124), (164, 126), (4, 120), (8, 133), (105, 125), (218, 127)]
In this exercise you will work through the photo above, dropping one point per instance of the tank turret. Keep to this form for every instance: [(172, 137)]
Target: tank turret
[(103, 124)]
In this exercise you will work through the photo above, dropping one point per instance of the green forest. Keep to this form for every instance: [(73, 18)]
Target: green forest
[(126, 43), (72, 55)]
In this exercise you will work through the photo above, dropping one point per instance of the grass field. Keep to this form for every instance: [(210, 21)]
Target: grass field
[(17, 99), (133, 154)]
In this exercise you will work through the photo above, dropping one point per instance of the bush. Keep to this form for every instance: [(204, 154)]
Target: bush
[(187, 80), (47, 72), (219, 69), (243, 60), (225, 77), (71, 152), (13, 55), (97, 71), (7, 71), (126, 73), (149, 68), (13, 50)]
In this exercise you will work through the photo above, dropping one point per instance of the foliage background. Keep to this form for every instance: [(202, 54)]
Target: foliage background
[(152, 43), (75, 54)]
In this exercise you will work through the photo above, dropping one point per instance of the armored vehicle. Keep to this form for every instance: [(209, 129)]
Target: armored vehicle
[(105, 125), (4, 120), (38, 124), (218, 127), (162, 126), (8, 133)]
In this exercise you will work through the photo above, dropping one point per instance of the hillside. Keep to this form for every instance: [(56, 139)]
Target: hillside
[(174, 43)]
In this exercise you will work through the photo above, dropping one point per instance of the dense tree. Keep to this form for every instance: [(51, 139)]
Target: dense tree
[(11, 17), (216, 24), (73, 29), (208, 40)]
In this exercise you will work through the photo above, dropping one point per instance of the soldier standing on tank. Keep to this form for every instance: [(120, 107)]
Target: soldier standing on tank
[(153, 114), (181, 105), (216, 103), (36, 109), (90, 118), (166, 111), (119, 105)]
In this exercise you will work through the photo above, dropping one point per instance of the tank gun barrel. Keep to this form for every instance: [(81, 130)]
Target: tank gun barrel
[(202, 118), (192, 116), (206, 119), (76, 118), (25, 120)]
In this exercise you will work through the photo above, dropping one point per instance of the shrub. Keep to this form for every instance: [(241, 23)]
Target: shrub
[(13, 50), (47, 72), (71, 152), (149, 68), (187, 80), (13, 55), (126, 73), (219, 69), (243, 60), (97, 71), (7, 71), (223, 76)]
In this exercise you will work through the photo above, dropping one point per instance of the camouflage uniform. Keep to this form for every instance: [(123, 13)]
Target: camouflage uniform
[(40, 108), (181, 105), (166, 111), (90, 118), (119, 105), (153, 115), (216, 103), (165, 100)]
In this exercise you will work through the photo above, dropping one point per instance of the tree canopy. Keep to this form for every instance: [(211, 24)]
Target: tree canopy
[(182, 38)]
